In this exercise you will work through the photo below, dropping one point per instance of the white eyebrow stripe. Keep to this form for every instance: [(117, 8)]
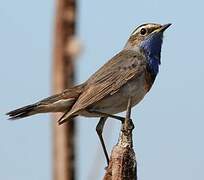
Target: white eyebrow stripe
[(134, 32), (139, 28), (142, 26)]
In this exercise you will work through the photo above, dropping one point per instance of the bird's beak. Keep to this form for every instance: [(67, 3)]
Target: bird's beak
[(164, 27)]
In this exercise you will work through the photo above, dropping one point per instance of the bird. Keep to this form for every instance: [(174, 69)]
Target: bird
[(129, 74)]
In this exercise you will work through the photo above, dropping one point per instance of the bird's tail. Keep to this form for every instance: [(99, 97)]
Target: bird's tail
[(61, 102), (22, 112)]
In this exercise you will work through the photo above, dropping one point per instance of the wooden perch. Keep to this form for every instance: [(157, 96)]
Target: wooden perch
[(123, 165)]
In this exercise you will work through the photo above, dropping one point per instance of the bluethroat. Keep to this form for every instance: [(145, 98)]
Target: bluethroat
[(130, 73)]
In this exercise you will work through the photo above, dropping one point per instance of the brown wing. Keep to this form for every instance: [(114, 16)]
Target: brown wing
[(108, 80)]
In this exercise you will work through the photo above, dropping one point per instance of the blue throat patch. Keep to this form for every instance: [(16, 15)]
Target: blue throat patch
[(152, 49)]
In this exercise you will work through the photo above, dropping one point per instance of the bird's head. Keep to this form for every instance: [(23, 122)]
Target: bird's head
[(148, 39), (147, 36)]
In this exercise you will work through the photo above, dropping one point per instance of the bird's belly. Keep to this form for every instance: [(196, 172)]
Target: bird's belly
[(113, 104)]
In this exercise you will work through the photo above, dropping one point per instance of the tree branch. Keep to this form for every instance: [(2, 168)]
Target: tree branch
[(123, 165)]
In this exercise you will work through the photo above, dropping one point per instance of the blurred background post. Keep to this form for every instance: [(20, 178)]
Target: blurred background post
[(63, 77)]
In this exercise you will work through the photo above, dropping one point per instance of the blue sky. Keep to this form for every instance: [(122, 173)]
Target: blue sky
[(168, 138)]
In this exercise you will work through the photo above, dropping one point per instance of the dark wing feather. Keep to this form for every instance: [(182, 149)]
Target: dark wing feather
[(109, 78)]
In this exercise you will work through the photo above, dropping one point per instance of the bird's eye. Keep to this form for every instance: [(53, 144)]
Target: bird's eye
[(143, 31)]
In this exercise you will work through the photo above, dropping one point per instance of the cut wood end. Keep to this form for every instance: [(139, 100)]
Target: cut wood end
[(122, 164)]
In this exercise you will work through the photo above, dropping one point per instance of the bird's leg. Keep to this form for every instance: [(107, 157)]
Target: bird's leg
[(128, 122), (122, 119), (99, 130), (100, 126)]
